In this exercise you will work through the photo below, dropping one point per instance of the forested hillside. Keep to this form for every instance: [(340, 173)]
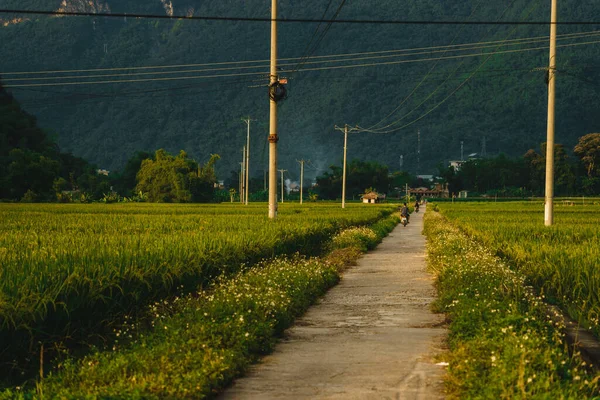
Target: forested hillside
[(504, 102)]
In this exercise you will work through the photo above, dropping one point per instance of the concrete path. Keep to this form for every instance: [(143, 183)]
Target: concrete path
[(370, 337)]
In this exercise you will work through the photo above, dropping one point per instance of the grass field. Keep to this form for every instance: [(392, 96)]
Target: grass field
[(71, 270), (503, 343), (562, 262)]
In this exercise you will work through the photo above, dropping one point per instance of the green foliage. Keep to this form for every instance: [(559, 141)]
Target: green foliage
[(72, 269), (31, 166), (169, 179), (588, 150), (359, 175), (362, 238), (503, 344), (522, 177), (126, 180), (505, 101), (561, 261)]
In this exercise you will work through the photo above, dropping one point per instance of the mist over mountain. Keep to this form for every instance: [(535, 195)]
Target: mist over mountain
[(504, 101)]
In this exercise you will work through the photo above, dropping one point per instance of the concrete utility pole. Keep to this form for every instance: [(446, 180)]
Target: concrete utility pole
[(243, 192), (273, 138), (241, 182), (548, 209), (247, 121), (282, 183), (301, 177), (345, 129)]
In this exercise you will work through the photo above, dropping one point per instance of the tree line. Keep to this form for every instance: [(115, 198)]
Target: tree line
[(33, 168), (574, 175)]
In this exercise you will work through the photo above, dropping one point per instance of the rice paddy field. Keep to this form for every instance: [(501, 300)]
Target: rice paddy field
[(561, 262), (68, 271)]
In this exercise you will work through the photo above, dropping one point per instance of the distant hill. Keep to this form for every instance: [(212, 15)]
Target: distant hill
[(505, 102)]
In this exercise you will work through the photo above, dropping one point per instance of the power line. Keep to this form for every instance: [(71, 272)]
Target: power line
[(83, 97), (443, 58), (421, 50), (426, 75), (321, 37), (189, 71), (290, 20), (506, 40), (451, 93), (314, 35), (364, 65)]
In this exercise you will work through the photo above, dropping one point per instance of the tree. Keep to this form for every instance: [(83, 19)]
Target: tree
[(359, 175), (125, 182), (588, 150), (564, 176), (177, 179), (202, 188), (32, 164)]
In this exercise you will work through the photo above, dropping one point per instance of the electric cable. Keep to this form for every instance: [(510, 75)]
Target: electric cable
[(421, 50), (321, 37), (449, 76), (314, 35), (288, 20), (426, 75), (364, 65), (450, 95)]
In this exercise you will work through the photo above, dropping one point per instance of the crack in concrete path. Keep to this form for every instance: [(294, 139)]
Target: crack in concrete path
[(372, 336)]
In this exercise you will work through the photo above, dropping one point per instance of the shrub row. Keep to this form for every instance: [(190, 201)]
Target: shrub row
[(71, 270), (197, 343), (503, 345)]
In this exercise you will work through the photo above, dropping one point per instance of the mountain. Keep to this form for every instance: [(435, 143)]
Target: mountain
[(502, 105)]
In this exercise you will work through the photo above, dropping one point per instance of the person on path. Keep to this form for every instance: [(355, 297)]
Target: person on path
[(404, 212)]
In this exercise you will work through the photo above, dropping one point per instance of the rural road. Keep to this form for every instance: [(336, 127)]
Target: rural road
[(370, 337)]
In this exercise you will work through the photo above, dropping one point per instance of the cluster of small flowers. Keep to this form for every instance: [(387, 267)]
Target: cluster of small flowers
[(491, 294)]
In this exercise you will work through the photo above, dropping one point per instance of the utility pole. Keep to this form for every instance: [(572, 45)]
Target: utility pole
[(407, 194), (247, 121), (243, 192), (462, 151), (345, 129), (282, 183), (273, 138), (301, 177), (549, 204)]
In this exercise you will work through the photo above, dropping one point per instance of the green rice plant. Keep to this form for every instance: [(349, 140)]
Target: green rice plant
[(561, 261), (191, 345), (503, 344), (361, 237), (67, 270)]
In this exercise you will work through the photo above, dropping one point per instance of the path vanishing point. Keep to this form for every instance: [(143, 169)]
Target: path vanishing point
[(372, 336)]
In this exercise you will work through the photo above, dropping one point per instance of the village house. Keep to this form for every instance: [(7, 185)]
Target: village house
[(373, 197)]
